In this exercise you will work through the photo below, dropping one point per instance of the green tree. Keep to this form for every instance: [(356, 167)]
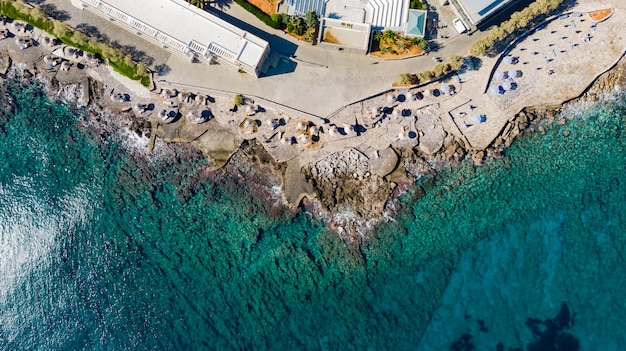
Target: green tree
[(310, 18), (197, 3), (296, 24), (423, 45), (389, 37), (142, 69), (61, 29), (404, 78), (425, 76), (455, 62), (238, 100)]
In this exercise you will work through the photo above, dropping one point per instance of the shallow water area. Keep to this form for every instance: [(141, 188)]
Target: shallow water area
[(104, 247)]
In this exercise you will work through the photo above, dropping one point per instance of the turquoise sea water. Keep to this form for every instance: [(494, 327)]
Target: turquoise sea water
[(104, 249)]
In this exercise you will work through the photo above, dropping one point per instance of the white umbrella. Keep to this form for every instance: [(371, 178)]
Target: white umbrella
[(199, 99), (314, 131), (501, 75), (494, 90), (512, 73), (301, 125), (445, 88), (348, 128), (391, 98), (305, 139), (508, 60), (480, 118)]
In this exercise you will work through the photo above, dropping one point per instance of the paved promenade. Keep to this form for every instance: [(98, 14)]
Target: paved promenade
[(319, 80)]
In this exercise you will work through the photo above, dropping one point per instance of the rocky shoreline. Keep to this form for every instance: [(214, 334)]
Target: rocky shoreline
[(346, 194), (350, 183)]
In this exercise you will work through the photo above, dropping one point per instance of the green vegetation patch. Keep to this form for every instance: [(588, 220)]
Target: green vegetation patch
[(519, 21), (36, 17), (264, 17)]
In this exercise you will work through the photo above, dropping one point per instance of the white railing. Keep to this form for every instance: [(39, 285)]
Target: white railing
[(197, 47), (171, 42), (144, 28), (93, 3), (113, 12), (222, 52)]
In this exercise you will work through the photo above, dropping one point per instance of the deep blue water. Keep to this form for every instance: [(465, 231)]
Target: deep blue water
[(104, 249)]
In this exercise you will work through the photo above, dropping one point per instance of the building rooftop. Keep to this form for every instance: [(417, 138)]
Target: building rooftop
[(194, 28), (477, 10), (416, 25)]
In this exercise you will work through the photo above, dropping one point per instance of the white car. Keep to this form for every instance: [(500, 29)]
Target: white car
[(459, 25)]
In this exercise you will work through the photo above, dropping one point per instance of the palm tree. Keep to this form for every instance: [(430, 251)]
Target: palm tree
[(197, 3)]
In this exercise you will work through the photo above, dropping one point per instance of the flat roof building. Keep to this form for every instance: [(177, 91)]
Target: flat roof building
[(186, 30), (472, 12)]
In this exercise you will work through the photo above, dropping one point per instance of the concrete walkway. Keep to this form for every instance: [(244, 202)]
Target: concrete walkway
[(319, 80)]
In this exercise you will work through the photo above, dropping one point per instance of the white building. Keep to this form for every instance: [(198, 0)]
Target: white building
[(185, 30)]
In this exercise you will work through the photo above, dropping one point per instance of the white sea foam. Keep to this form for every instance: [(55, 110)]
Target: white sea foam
[(31, 224)]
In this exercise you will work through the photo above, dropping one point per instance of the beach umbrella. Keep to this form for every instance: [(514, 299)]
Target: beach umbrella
[(272, 123), (250, 109), (314, 131), (65, 66), (401, 135), (348, 128), (305, 139), (494, 90), (419, 95), (139, 108), (391, 98), (199, 99), (332, 131), (395, 113), (480, 118), (17, 26), (501, 75), (301, 125), (182, 97), (513, 73), (506, 86), (286, 140), (508, 60), (48, 59), (206, 114), (410, 96), (445, 88), (435, 92)]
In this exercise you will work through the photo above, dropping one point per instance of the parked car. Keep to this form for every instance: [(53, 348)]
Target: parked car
[(459, 25)]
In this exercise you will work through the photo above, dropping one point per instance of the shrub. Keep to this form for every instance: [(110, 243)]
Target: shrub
[(310, 19), (404, 78), (425, 76), (422, 45), (36, 17), (441, 69), (518, 20), (264, 17), (238, 100), (455, 62), (61, 29)]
